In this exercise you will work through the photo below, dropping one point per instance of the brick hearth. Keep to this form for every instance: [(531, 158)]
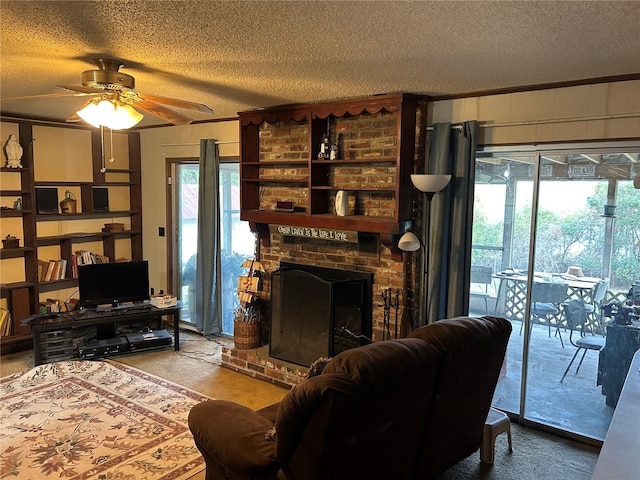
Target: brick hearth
[(257, 364)]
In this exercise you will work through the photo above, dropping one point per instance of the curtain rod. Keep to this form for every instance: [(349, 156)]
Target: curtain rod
[(458, 126), (455, 126), (195, 144)]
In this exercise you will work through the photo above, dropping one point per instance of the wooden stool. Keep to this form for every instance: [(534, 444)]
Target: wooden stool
[(496, 423)]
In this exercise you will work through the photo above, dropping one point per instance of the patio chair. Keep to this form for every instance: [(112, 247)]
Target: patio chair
[(594, 309), (481, 276), (576, 321), (546, 299)]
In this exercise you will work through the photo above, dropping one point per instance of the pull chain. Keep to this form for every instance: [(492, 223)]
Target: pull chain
[(103, 169)]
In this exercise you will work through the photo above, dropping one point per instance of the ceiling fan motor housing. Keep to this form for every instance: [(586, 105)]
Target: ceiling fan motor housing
[(107, 79)]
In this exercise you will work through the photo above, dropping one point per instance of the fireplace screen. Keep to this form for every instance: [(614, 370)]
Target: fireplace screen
[(317, 313)]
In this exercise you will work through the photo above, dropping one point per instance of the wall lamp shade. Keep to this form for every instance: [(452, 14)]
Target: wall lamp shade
[(430, 183), (113, 114), (409, 242)]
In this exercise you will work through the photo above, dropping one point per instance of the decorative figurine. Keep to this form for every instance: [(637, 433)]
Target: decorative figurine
[(17, 205), (14, 152)]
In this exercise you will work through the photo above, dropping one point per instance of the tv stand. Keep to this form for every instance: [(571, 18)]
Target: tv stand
[(124, 306), (53, 334)]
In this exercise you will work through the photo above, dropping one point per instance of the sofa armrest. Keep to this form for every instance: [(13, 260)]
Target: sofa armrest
[(269, 412), (234, 436)]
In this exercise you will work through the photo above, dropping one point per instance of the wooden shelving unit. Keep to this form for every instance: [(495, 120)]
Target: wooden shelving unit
[(311, 183), (70, 241)]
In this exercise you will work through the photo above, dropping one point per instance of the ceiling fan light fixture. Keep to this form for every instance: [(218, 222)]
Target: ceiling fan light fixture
[(113, 114), (90, 114), (125, 116)]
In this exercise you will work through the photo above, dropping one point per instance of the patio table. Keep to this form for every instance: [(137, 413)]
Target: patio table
[(512, 290)]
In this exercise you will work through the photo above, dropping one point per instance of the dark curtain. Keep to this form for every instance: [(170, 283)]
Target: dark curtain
[(208, 265), (451, 151)]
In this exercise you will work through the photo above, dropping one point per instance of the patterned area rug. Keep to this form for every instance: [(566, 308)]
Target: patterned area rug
[(95, 420)]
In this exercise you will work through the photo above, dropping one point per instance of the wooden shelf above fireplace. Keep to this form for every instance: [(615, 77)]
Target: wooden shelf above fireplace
[(376, 140)]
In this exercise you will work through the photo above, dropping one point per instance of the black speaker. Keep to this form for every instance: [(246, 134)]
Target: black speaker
[(100, 199), (47, 200)]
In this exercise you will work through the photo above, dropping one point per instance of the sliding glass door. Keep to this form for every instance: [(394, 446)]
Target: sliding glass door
[(559, 230), (185, 245), (237, 241)]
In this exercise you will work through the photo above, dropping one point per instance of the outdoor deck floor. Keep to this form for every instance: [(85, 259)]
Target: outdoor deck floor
[(575, 405)]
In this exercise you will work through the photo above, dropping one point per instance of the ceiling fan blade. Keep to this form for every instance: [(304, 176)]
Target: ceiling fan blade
[(81, 89), (73, 118), (174, 102), (164, 113), (44, 95)]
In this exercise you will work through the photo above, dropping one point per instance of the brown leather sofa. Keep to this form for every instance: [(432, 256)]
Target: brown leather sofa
[(397, 409)]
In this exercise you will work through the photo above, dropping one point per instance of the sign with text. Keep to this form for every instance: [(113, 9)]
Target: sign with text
[(582, 170), (546, 170), (317, 233)]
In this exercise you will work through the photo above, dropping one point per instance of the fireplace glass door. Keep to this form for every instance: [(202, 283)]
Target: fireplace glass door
[(315, 317)]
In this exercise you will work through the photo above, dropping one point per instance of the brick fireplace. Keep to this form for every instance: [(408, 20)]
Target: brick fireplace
[(364, 136), (386, 273)]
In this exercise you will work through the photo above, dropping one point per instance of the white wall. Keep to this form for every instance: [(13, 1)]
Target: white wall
[(536, 113), (156, 145), (607, 111)]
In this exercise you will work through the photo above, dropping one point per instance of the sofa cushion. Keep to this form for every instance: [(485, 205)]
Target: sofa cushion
[(374, 392)]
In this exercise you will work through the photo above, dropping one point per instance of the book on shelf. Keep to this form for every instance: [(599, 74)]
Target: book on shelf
[(49, 273), (52, 270), (114, 226), (63, 269), (85, 257), (56, 269), (5, 323), (42, 270)]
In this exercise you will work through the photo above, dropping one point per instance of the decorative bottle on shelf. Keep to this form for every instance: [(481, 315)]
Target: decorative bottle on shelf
[(334, 152), (325, 147)]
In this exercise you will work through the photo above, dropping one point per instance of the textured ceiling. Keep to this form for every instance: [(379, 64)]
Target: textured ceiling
[(236, 56)]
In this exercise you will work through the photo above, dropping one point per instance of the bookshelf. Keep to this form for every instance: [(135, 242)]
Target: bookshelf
[(64, 157)]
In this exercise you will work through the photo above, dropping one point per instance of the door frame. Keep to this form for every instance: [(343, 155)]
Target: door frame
[(171, 232), (537, 151)]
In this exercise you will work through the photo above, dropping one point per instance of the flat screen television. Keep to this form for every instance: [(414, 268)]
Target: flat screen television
[(113, 284)]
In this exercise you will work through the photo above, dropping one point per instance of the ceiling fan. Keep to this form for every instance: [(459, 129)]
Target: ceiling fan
[(108, 83)]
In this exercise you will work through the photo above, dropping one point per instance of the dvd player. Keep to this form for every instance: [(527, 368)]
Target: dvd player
[(101, 348), (132, 342), (143, 340)]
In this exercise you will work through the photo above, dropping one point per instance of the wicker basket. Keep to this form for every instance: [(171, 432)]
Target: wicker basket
[(10, 242), (246, 335)]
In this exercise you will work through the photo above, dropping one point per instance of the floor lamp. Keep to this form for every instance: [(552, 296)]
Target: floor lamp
[(429, 185)]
